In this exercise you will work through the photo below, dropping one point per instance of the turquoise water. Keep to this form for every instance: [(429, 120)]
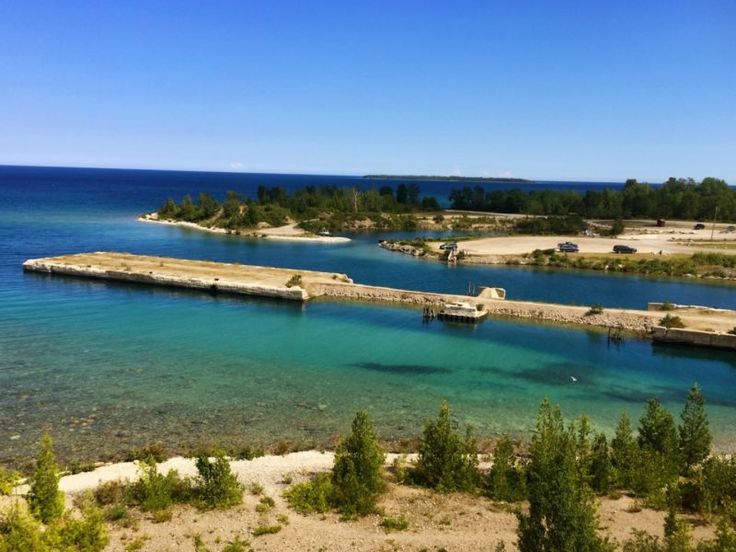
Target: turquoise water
[(108, 366)]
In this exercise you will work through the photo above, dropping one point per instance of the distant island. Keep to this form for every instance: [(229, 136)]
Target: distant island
[(448, 178)]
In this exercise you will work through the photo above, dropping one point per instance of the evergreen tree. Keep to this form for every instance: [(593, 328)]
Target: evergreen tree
[(694, 431), (600, 465), (357, 475), (505, 481), (44, 498), (447, 462), (658, 437), (562, 514), (624, 453)]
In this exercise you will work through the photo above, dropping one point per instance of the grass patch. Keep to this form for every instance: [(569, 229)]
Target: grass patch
[(399, 523), (266, 530)]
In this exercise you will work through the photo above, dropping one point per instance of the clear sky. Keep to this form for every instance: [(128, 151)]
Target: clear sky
[(582, 90)]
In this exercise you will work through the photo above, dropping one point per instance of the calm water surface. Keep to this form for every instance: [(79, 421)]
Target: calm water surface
[(109, 366)]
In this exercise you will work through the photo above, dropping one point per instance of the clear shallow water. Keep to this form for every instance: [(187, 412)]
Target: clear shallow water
[(110, 366)]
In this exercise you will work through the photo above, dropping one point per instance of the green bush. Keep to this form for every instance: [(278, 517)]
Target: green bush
[(266, 530), (447, 462), (311, 496), (20, 532), (45, 500), (595, 309), (671, 321), (399, 523), (294, 281), (85, 534), (357, 476), (216, 486), (9, 479), (154, 491), (505, 480)]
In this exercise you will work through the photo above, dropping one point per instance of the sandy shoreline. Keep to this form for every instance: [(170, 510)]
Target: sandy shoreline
[(455, 521), (288, 232)]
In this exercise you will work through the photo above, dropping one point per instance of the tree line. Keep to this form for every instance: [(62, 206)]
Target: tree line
[(677, 198), (277, 206)]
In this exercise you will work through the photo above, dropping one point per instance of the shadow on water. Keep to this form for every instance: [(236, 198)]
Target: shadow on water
[(404, 369), (679, 350)]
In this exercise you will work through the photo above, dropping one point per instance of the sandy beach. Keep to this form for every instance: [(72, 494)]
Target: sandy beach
[(288, 232)]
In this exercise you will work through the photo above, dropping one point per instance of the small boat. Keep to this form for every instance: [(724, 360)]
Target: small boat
[(461, 312), (324, 232)]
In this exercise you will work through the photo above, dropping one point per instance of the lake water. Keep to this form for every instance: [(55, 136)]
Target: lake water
[(108, 367)]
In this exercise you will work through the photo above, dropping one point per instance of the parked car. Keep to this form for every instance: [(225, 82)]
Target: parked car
[(449, 245), (568, 247), (699, 226), (623, 249)]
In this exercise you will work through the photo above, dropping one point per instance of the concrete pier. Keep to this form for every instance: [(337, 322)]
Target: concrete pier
[(303, 285)]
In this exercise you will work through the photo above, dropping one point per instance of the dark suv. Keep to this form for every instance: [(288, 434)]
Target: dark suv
[(623, 249), (568, 247)]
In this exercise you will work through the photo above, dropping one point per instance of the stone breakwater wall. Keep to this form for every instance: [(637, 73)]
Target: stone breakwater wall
[(294, 293), (694, 337), (634, 321)]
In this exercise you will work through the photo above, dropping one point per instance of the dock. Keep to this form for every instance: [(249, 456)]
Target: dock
[(704, 327)]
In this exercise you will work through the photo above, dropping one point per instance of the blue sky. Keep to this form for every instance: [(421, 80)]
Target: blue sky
[(582, 90)]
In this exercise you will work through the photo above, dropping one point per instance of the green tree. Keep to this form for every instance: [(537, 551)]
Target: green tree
[(562, 514), (20, 532), (617, 227), (447, 462), (600, 465), (658, 434), (505, 480), (624, 452), (44, 498), (217, 486), (357, 476), (694, 430)]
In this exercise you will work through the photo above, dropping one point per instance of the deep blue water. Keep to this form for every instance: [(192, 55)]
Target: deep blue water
[(110, 366)]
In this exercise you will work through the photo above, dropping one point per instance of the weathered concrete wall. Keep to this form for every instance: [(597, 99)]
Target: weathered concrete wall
[(294, 293), (694, 337)]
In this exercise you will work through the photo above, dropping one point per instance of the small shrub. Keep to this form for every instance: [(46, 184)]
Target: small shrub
[(265, 504), (733, 331), (110, 492), (255, 489), (311, 496), (594, 309), (19, 531), (217, 486), (266, 530), (161, 516), (670, 321), (447, 462), (399, 523), (666, 306), (248, 452), (154, 450), (154, 491), (283, 519), (44, 498), (295, 280), (118, 514), (85, 534), (237, 545), (136, 544), (9, 479)]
